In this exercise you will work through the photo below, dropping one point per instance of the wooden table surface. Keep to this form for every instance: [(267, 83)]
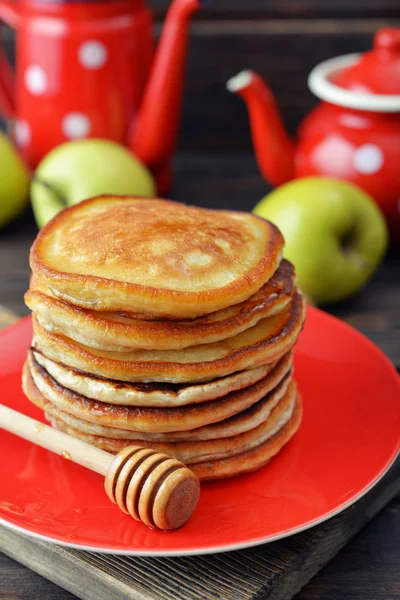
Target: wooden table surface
[(367, 569)]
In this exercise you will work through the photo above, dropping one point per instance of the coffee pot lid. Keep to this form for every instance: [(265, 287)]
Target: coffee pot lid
[(369, 81)]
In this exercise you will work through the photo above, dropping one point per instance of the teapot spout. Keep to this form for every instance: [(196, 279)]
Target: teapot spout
[(154, 134), (273, 147)]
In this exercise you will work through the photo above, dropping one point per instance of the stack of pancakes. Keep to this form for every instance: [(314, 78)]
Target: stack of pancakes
[(165, 326)]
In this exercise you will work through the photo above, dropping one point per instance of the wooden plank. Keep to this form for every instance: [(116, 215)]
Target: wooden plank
[(276, 571), (15, 242), (282, 9), (367, 568), (20, 583), (7, 317)]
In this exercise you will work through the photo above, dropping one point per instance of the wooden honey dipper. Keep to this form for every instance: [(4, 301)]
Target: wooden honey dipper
[(152, 487)]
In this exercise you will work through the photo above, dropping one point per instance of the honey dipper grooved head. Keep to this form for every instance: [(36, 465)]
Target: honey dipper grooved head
[(152, 487)]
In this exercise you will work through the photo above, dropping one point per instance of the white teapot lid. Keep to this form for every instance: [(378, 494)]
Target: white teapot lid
[(321, 84)]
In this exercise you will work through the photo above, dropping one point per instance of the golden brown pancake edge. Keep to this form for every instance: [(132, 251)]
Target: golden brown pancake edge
[(103, 364), (155, 419), (111, 331), (98, 243)]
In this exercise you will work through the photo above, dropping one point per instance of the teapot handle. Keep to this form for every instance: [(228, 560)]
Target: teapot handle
[(9, 13)]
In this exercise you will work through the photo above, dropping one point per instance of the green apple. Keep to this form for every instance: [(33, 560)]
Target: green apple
[(335, 234), (14, 182), (82, 169)]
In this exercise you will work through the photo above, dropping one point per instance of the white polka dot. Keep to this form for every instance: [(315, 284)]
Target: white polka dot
[(75, 126), (368, 159), (92, 54), (22, 133), (36, 80)]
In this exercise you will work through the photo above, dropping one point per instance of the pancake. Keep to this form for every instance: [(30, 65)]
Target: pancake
[(240, 463), (149, 394), (264, 343), (157, 257), (202, 451), (116, 332), (254, 459), (239, 423), (160, 420)]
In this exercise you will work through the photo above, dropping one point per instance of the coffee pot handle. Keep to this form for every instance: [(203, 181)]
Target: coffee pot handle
[(9, 13)]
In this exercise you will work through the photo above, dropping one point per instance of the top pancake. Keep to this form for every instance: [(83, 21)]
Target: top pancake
[(155, 257)]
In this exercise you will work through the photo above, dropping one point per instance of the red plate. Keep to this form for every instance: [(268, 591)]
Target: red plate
[(348, 439)]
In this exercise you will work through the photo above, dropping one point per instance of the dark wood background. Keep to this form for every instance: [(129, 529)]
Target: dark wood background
[(299, 9), (280, 39)]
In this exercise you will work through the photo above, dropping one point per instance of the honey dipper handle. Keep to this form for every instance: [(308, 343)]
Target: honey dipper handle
[(55, 441)]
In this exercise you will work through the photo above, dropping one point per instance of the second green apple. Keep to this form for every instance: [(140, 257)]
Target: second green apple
[(335, 234), (82, 169)]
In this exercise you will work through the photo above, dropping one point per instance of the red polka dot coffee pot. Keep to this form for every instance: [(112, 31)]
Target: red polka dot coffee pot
[(353, 134), (86, 69)]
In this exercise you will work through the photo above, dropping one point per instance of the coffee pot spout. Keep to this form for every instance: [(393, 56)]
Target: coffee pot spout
[(154, 132), (273, 147)]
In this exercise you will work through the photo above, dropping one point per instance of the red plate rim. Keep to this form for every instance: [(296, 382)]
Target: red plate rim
[(255, 541)]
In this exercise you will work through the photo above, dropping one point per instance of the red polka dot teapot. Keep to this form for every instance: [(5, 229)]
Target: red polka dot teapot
[(86, 69), (353, 134)]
